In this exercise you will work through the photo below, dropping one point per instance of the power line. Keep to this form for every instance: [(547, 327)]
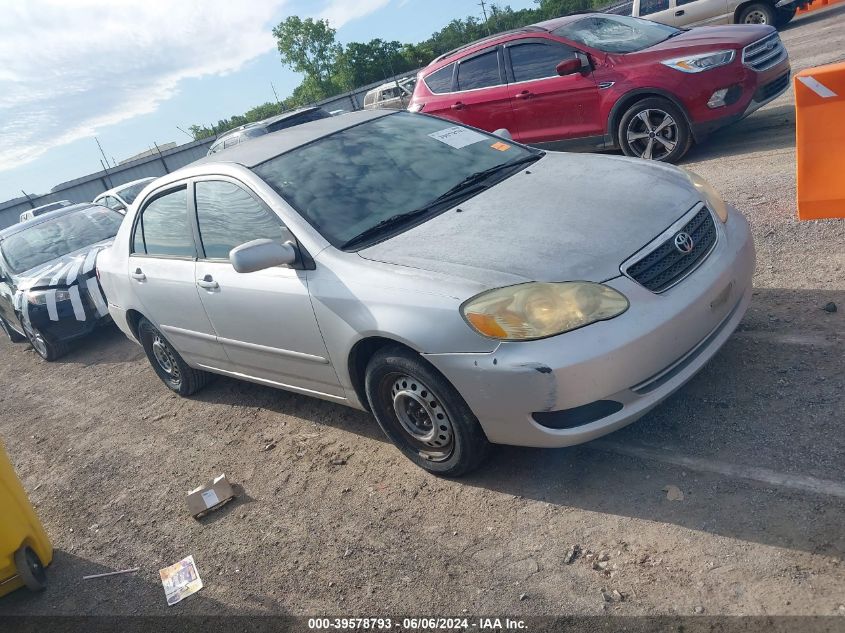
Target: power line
[(484, 13)]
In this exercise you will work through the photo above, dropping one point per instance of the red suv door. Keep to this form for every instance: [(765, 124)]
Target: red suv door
[(546, 106), (479, 95)]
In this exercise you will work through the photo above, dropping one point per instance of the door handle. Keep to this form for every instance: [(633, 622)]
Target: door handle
[(208, 283), (679, 12), (138, 275), (458, 106), (524, 95)]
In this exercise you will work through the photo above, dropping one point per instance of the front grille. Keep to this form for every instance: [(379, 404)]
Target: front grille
[(764, 54), (772, 88), (666, 265)]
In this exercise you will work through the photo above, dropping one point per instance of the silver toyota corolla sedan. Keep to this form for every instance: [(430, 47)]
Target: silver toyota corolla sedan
[(463, 288)]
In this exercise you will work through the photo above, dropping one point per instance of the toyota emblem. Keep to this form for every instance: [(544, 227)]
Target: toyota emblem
[(684, 243)]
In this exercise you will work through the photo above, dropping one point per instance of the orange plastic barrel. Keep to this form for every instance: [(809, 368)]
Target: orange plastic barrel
[(820, 141)]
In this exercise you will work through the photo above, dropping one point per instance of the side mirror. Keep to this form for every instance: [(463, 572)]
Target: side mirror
[(261, 254), (569, 66), (504, 133)]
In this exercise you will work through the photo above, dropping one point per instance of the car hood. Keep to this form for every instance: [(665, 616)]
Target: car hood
[(565, 217), (709, 36), (63, 271)]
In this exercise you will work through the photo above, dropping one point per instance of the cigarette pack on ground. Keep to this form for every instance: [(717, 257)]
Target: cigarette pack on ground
[(210, 496)]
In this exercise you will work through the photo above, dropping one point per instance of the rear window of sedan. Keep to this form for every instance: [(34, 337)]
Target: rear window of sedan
[(349, 181)]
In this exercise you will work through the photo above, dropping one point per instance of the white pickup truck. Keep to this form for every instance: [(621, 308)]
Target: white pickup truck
[(690, 13)]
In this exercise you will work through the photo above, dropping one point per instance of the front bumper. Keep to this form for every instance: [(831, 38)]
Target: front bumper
[(635, 360), (67, 326)]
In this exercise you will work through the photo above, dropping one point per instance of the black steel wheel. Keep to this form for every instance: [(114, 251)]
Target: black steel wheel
[(168, 364)]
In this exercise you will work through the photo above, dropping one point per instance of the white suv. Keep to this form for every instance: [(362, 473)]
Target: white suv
[(688, 13)]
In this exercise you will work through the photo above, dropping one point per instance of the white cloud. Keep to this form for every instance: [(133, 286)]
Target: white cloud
[(339, 12), (70, 68)]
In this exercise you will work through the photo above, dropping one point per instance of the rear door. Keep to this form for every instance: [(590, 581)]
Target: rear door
[(161, 273), (264, 320), (546, 106), (472, 91)]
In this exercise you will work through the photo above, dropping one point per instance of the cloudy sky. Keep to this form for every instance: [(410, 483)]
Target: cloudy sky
[(132, 72)]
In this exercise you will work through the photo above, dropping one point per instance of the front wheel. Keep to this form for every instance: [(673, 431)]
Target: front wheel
[(422, 414), (654, 129), (168, 364), (44, 348), (758, 13), (30, 569)]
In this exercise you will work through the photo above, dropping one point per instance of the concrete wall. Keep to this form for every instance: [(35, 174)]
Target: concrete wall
[(88, 187)]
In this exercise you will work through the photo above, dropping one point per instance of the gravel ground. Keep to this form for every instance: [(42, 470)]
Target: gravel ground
[(754, 443)]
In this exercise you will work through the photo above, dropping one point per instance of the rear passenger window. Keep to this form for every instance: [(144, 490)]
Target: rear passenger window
[(537, 61), (479, 72), (648, 7), (163, 230), (229, 216), (441, 80)]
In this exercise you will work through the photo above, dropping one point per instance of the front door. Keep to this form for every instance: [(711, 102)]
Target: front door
[(264, 320), (691, 13), (481, 98), (161, 272), (546, 106)]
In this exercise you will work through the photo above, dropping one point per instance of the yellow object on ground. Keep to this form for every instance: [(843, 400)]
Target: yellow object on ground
[(24, 547), (820, 141)]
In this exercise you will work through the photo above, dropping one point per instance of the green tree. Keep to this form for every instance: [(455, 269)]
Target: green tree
[(308, 46)]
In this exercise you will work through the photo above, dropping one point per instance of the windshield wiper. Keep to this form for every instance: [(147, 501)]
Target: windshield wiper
[(467, 186)]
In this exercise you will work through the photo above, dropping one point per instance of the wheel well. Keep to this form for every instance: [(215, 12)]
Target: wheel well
[(630, 99), (132, 318), (359, 357)]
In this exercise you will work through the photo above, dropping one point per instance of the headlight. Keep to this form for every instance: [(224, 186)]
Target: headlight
[(537, 310), (709, 195), (39, 297), (700, 63)]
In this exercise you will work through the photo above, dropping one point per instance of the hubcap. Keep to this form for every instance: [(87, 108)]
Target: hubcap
[(165, 359), (756, 17), (652, 134), (422, 417)]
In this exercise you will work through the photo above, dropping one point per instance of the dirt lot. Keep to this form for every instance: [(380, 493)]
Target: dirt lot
[(755, 443)]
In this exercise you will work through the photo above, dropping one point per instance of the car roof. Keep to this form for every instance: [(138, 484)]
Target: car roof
[(266, 122), (540, 27), (392, 84), (48, 204), (269, 146), (119, 188), (44, 217)]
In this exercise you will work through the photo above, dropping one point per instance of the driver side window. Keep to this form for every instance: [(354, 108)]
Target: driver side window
[(647, 7), (229, 216), (535, 60)]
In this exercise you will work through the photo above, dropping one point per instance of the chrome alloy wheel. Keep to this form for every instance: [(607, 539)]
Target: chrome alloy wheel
[(421, 416), (165, 359), (652, 134), (36, 339)]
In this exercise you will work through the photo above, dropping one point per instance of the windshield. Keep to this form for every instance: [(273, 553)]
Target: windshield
[(131, 192), (54, 238), (346, 183), (616, 33)]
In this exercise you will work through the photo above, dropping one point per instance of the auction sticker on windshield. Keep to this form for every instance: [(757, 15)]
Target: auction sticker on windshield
[(458, 137)]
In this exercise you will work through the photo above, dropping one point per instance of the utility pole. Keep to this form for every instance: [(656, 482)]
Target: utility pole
[(484, 13), (275, 94), (185, 133), (101, 150)]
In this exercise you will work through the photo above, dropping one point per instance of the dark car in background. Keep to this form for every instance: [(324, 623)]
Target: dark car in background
[(273, 124), (601, 81), (49, 292)]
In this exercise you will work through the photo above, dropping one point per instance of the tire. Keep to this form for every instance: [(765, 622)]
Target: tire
[(423, 414), (784, 16), (640, 127), (30, 569), (14, 337), (168, 364), (46, 350), (758, 13)]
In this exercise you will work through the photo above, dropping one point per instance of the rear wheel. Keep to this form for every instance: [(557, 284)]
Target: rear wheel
[(14, 337), (44, 348), (30, 569), (422, 414), (758, 13), (654, 129), (168, 364)]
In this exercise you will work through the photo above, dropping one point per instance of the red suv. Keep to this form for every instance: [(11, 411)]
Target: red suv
[(602, 81)]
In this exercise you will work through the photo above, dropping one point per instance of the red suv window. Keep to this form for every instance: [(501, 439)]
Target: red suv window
[(536, 60), (441, 80), (481, 71)]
